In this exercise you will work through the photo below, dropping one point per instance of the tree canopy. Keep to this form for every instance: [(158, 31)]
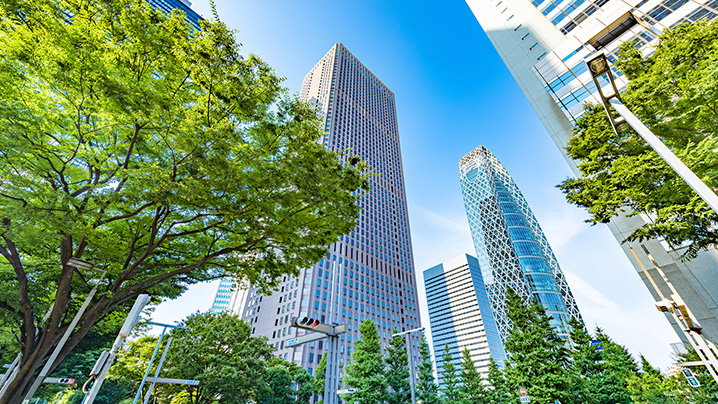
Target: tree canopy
[(160, 154), (366, 370), (674, 91)]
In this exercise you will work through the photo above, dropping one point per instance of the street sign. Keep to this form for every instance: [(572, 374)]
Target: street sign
[(172, 381), (59, 380), (692, 379), (524, 395), (347, 390), (304, 339), (597, 344)]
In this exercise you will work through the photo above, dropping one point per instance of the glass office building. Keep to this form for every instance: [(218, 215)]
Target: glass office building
[(510, 245), (372, 268), (183, 5), (544, 44), (460, 314)]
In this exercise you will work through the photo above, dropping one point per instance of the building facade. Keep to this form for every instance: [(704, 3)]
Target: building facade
[(512, 249), (544, 44), (460, 314), (230, 297), (371, 269), (183, 5)]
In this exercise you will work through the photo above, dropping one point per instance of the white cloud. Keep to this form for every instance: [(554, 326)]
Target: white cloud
[(562, 226)]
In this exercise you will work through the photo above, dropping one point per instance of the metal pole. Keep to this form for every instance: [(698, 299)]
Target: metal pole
[(10, 374), (704, 349), (411, 368), (61, 344), (149, 367), (689, 176), (411, 359), (127, 327), (157, 372), (331, 374)]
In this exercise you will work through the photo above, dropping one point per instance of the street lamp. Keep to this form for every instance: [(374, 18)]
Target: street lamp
[(598, 66), (79, 264), (411, 360)]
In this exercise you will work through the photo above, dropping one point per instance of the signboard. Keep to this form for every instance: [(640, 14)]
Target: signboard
[(347, 390), (525, 399), (597, 344)]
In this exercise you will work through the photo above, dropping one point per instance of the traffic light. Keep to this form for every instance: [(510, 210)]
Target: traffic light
[(313, 324), (692, 379), (306, 322), (66, 380)]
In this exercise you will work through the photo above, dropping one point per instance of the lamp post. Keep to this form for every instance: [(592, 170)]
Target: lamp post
[(598, 66), (411, 360), (79, 264)]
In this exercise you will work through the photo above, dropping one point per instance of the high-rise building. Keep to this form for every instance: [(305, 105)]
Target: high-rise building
[(230, 297), (544, 44), (374, 263), (511, 247), (460, 314), (183, 5)]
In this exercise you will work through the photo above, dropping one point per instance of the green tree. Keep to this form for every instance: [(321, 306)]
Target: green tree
[(397, 372), (285, 382), (365, 371), (426, 388), (320, 377), (278, 388), (219, 351), (499, 391), (452, 388), (616, 367), (536, 353), (674, 92), (472, 387), (158, 153), (585, 367)]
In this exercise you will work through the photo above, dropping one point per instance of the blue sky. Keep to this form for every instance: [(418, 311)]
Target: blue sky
[(453, 94)]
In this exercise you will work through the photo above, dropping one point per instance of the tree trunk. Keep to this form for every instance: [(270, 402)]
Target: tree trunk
[(30, 367)]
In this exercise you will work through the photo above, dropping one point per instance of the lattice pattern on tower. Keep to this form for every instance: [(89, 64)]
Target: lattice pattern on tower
[(510, 245)]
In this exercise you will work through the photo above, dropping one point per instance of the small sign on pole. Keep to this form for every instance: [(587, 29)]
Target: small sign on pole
[(524, 395)]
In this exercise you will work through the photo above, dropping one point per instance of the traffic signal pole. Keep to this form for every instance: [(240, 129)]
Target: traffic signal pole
[(330, 330)]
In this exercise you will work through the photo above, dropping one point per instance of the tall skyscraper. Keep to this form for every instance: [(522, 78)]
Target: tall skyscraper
[(510, 245), (460, 314), (544, 43), (374, 263), (183, 5)]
